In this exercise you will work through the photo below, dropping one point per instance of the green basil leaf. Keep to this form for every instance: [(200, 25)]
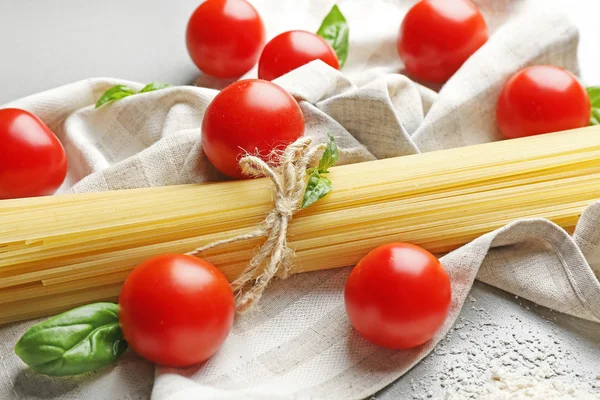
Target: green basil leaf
[(77, 341), (330, 156), (154, 86), (317, 187), (115, 93), (334, 29), (595, 118), (594, 93)]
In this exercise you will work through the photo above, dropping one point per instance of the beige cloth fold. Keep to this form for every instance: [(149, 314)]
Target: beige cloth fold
[(299, 343)]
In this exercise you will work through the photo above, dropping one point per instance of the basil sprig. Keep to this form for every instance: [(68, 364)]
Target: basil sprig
[(318, 184), (115, 93), (594, 93), (154, 86), (330, 156), (334, 29), (77, 341), (121, 91)]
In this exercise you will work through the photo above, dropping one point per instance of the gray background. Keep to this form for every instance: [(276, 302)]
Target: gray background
[(48, 43)]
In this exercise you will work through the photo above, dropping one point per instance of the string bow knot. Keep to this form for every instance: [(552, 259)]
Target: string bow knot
[(288, 177)]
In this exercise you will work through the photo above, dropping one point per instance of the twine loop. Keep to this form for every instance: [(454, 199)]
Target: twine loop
[(288, 177)]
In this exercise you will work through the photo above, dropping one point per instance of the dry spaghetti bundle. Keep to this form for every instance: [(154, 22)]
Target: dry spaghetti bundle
[(62, 251)]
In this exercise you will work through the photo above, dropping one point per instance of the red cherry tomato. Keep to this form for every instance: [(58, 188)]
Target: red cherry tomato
[(225, 37), (437, 36), (32, 160), (253, 116), (176, 310), (398, 296), (291, 50), (542, 99)]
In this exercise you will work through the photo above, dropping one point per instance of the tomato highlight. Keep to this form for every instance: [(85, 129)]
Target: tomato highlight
[(249, 116), (542, 99), (291, 50), (437, 36), (176, 310), (225, 37), (33, 162), (398, 296)]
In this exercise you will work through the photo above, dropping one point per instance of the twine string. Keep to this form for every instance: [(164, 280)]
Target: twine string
[(288, 179)]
